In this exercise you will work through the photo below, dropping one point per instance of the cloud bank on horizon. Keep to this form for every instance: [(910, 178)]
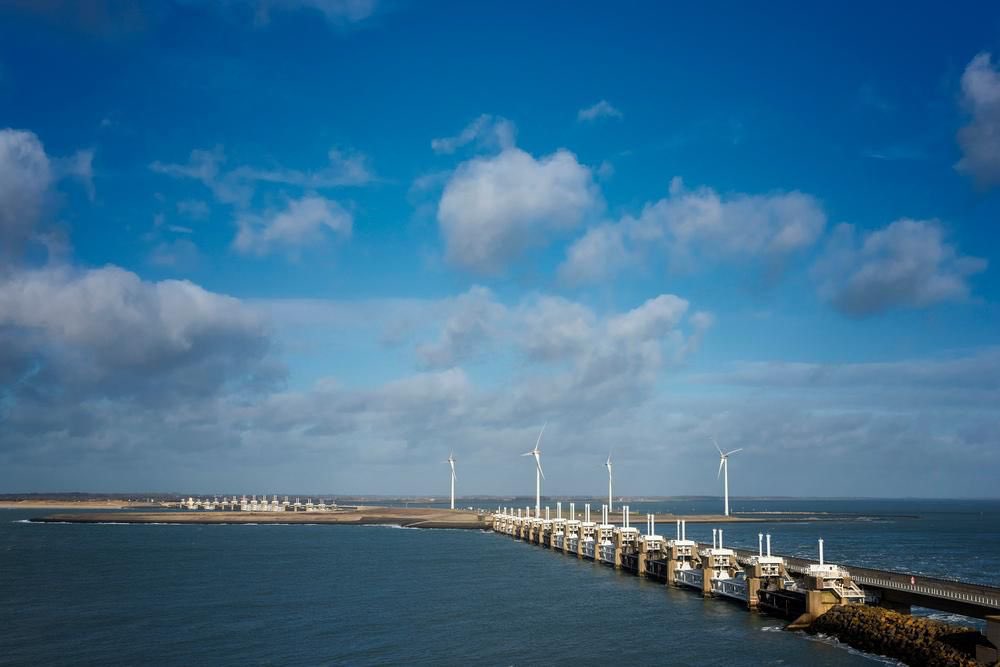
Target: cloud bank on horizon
[(319, 258)]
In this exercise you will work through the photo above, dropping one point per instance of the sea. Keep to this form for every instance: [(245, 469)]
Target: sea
[(116, 594)]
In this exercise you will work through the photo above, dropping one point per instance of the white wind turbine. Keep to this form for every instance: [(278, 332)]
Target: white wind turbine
[(724, 468), (539, 475), (608, 465), (451, 460)]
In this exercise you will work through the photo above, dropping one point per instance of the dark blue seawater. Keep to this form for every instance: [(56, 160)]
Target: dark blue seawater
[(356, 595)]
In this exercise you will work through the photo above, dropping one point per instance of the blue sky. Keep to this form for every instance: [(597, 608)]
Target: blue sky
[(315, 245)]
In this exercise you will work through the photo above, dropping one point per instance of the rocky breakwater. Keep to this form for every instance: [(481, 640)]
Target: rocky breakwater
[(911, 639)]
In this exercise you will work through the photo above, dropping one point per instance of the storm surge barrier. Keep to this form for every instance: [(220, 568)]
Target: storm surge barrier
[(798, 589)]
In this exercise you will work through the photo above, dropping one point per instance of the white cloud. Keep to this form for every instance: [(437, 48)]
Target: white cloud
[(337, 12), (473, 322), (494, 208), (694, 227), (205, 166), (551, 328), (486, 131), (301, 223), (236, 186), (106, 332), (598, 254), (907, 264), (25, 177), (653, 319), (345, 169), (977, 370), (572, 356), (980, 139), (602, 109)]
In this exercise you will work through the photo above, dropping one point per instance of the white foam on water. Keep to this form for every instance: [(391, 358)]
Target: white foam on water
[(833, 641)]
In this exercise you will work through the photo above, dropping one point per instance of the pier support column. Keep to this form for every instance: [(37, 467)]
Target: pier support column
[(986, 654), (618, 550), (671, 565), (753, 592), (643, 558), (706, 577)]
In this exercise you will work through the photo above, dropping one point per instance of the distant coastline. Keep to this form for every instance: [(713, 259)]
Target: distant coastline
[(369, 515), (397, 516), (61, 503)]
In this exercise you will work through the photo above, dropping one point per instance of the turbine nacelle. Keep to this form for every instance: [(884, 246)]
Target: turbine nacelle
[(537, 453)]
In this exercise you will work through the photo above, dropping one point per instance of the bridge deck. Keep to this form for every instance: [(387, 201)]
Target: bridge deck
[(976, 600)]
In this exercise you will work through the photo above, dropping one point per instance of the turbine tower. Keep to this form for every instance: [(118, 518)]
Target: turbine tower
[(608, 465), (451, 460), (539, 475), (724, 468)]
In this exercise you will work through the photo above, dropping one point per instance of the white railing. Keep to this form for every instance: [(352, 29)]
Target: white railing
[(960, 596)]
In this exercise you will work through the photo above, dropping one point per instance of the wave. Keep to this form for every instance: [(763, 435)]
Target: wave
[(833, 641)]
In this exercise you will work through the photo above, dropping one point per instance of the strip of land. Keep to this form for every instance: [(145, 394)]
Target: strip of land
[(394, 516), (411, 517), (42, 504)]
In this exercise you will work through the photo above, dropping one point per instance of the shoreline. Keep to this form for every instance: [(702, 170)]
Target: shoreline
[(371, 516), (75, 504), (366, 515)]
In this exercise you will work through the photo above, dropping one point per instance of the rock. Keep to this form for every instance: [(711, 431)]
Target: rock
[(914, 640)]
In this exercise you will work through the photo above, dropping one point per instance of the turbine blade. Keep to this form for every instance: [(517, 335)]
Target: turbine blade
[(722, 462), (538, 442), (716, 442), (531, 453), (734, 451), (539, 464)]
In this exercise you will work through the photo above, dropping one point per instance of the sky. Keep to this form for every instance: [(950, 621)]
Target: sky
[(315, 246)]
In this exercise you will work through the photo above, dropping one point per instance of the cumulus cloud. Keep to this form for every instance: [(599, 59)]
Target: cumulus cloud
[(473, 322), (980, 139), (600, 253), (577, 357), (25, 177), (486, 131), (551, 328), (303, 220), (494, 208), (907, 264), (602, 109), (301, 223), (106, 333), (694, 226)]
